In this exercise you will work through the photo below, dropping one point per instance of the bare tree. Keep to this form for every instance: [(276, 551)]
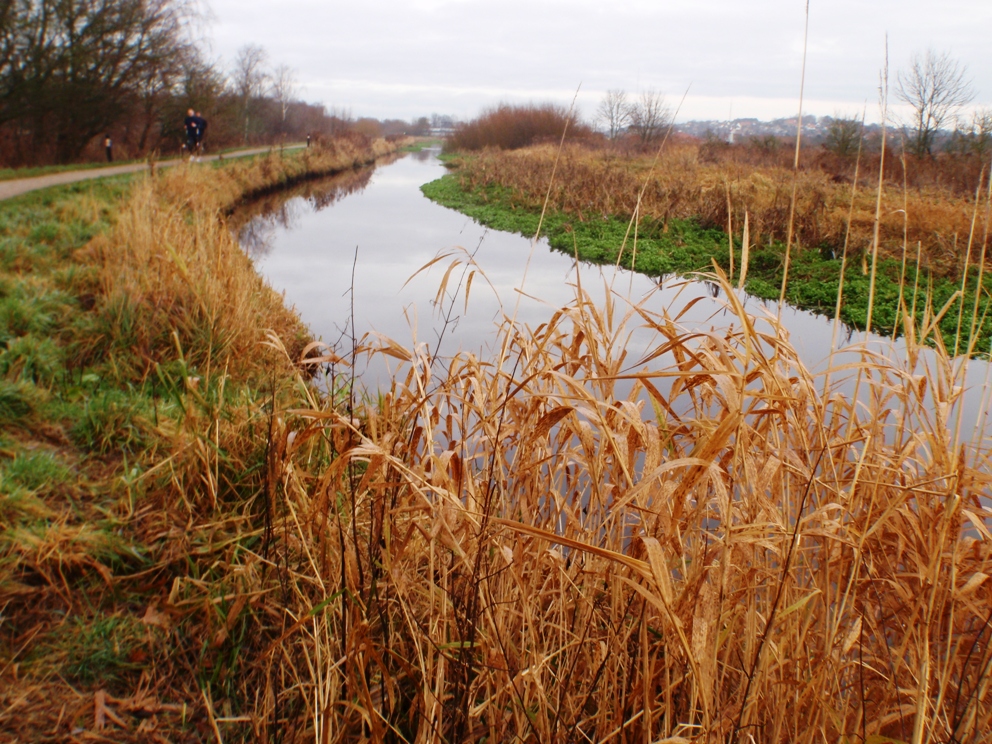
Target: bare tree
[(249, 78), (614, 113), (71, 70), (649, 117), (284, 88), (975, 137), (935, 87)]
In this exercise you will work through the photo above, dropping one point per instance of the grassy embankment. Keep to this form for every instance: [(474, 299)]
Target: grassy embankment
[(558, 544), (136, 391), (686, 208)]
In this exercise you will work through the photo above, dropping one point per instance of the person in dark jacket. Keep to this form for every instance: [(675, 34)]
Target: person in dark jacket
[(109, 145), (192, 132)]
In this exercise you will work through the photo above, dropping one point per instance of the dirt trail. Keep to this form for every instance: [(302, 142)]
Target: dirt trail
[(20, 186)]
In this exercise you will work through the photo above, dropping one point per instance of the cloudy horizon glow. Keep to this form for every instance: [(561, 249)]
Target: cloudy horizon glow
[(402, 60)]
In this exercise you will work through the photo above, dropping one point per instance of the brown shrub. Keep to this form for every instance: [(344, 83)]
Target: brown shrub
[(508, 127)]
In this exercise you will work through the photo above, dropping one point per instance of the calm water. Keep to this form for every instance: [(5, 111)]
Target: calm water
[(351, 248)]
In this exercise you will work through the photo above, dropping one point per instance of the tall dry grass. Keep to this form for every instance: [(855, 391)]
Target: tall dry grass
[(174, 277), (576, 545), (685, 184)]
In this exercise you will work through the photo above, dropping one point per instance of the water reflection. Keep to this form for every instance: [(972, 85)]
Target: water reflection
[(258, 222), (358, 272)]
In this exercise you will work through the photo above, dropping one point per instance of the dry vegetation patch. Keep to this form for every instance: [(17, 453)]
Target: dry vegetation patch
[(564, 543), (685, 183), (559, 543), (138, 389)]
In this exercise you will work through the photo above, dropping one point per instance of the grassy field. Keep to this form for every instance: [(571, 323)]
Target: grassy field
[(691, 215), (558, 543)]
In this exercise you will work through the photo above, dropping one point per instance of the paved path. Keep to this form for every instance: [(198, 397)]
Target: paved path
[(20, 186)]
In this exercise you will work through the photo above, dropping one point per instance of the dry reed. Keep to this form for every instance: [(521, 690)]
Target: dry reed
[(580, 546)]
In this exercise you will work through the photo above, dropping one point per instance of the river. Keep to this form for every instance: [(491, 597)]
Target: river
[(348, 253)]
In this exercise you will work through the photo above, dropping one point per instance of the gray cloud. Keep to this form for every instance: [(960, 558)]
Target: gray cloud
[(403, 59)]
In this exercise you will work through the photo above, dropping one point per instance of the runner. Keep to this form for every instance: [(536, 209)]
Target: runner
[(192, 133)]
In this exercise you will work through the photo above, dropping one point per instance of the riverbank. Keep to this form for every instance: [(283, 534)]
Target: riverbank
[(555, 542), (686, 207), (141, 360)]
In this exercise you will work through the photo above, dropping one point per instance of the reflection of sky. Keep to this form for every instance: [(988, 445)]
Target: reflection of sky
[(386, 232)]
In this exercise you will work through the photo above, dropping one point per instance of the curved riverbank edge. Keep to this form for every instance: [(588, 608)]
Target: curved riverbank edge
[(143, 366), (685, 248)]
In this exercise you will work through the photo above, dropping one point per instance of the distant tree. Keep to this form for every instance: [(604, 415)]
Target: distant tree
[(74, 71), (442, 121), (843, 135), (249, 79), (614, 113), (974, 136), (284, 90), (934, 87), (766, 144), (421, 127), (981, 133), (393, 128), (368, 126), (649, 117), (340, 120)]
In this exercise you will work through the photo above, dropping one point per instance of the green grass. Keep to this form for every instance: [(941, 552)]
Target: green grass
[(37, 471), (103, 649), (134, 448), (684, 247), (64, 424)]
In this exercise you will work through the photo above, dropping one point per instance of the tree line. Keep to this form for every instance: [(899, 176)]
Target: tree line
[(73, 72), (933, 89)]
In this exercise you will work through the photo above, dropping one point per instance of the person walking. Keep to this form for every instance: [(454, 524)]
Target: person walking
[(109, 146)]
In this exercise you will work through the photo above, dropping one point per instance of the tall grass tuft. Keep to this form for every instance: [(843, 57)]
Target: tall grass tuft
[(582, 546)]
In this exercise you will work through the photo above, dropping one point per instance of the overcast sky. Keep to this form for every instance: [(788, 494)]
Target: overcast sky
[(738, 58)]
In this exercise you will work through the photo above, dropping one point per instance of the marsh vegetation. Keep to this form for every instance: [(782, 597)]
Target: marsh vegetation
[(696, 206), (560, 541)]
